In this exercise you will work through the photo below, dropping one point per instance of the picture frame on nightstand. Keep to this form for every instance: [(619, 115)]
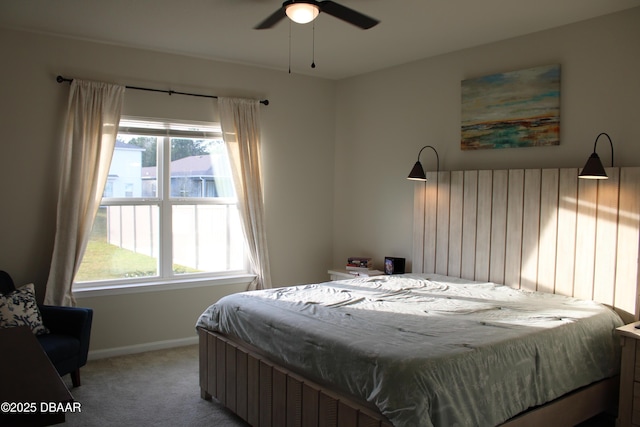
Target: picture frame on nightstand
[(393, 265)]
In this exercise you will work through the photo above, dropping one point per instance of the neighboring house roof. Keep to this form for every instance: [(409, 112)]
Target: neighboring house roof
[(193, 165), (203, 165), (125, 146)]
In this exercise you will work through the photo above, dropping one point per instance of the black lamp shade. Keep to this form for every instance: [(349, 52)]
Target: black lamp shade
[(417, 173), (593, 169)]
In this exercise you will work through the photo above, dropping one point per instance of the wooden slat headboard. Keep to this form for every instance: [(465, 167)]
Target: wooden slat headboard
[(534, 229)]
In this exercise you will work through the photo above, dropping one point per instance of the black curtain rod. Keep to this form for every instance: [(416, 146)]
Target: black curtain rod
[(61, 79)]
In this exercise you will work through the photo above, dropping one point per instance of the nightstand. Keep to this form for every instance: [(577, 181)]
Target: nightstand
[(629, 406), (339, 274)]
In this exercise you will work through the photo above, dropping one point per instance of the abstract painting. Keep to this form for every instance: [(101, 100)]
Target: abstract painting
[(509, 110)]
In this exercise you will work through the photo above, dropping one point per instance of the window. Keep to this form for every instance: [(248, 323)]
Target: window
[(168, 209)]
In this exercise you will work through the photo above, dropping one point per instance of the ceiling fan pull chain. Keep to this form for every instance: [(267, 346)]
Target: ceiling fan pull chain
[(313, 45), (289, 47)]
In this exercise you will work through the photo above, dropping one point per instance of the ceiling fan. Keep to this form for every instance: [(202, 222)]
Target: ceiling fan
[(304, 11)]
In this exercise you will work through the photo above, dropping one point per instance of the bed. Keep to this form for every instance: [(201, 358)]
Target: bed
[(484, 241)]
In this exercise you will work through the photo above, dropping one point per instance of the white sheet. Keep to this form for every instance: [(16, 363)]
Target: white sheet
[(429, 350)]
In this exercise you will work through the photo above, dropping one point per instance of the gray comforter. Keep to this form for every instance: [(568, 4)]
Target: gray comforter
[(429, 350)]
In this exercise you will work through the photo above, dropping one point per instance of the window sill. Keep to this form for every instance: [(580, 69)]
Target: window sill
[(160, 285)]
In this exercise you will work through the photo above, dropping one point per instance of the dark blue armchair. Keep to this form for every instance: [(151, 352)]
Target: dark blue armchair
[(67, 343)]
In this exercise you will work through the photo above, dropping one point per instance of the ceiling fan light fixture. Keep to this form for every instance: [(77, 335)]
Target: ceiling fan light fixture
[(302, 13)]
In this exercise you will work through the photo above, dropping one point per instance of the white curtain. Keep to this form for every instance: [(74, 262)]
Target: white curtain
[(240, 120), (93, 115)]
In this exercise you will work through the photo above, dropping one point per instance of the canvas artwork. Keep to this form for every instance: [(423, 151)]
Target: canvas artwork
[(509, 110)]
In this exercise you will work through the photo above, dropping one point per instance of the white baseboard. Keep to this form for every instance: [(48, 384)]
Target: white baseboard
[(141, 348)]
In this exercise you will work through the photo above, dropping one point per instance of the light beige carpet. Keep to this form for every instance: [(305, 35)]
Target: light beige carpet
[(158, 388)]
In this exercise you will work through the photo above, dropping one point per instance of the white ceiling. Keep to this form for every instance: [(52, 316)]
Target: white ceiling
[(223, 29)]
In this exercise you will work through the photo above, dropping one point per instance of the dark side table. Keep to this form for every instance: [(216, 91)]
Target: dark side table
[(31, 391)]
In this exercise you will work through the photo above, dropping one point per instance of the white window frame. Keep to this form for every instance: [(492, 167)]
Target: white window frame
[(166, 278)]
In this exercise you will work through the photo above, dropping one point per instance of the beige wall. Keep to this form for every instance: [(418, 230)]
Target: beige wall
[(335, 154), (297, 141), (384, 118)]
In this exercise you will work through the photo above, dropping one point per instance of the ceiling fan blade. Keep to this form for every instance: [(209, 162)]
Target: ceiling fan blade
[(272, 20), (346, 14)]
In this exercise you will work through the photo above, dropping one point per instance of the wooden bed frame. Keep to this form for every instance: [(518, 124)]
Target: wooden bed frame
[(263, 393), (537, 229)]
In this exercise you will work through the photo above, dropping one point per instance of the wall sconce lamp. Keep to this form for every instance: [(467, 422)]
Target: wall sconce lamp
[(593, 169), (417, 173)]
